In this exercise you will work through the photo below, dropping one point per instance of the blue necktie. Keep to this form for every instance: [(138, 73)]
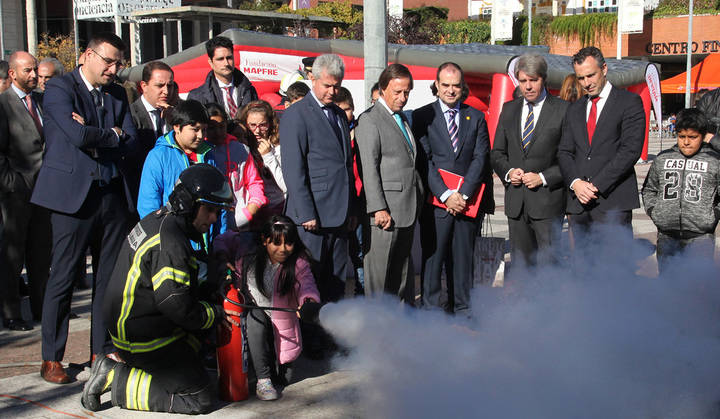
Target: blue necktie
[(399, 121), (529, 127), (333, 121)]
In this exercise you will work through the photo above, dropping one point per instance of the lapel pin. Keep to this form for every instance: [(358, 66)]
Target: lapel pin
[(467, 117)]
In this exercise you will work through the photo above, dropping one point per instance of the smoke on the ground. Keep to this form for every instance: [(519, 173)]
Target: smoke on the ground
[(593, 341)]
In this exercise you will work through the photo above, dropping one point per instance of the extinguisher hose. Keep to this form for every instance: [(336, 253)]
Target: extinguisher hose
[(254, 307)]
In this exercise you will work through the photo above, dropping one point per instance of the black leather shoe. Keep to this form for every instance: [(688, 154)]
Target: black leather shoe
[(95, 384), (18, 325)]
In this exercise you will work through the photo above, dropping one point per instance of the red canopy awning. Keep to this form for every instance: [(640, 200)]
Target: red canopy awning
[(704, 75)]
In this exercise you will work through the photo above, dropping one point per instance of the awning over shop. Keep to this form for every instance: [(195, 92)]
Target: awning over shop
[(704, 75)]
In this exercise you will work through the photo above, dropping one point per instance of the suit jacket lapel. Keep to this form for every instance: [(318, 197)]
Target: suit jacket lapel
[(515, 109), (545, 114), (86, 101), (22, 111), (464, 121), (143, 115), (390, 119), (609, 104), (320, 115)]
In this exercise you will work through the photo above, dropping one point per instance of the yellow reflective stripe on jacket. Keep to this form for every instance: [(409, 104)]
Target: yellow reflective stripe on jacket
[(140, 347), (193, 262), (167, 272), (210, 314), (131, 282), (130, 388)]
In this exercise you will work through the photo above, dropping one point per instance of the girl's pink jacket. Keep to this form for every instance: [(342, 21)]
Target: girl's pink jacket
[(286, 326)]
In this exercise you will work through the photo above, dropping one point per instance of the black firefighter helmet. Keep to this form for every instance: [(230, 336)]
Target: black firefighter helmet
[(200, 184)]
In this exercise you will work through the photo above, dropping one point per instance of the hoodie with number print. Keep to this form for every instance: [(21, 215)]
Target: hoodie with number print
[(680, 193)]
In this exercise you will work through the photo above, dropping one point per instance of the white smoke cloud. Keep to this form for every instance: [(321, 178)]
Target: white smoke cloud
[(603, 343)]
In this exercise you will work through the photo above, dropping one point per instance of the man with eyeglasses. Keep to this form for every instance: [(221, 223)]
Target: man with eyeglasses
[(83, 182)]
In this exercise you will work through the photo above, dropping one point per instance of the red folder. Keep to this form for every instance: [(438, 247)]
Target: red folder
[(454, 182)]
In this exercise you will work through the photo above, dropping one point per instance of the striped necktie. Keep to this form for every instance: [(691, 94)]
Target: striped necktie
[(453, 129), (529, 127), (231, 105)]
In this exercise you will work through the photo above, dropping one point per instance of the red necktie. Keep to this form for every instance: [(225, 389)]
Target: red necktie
[(592, 118), (33, 114), (232, 107)]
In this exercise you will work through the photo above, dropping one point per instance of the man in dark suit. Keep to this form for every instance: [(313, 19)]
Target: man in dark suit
[(524, 156), (224, 84), (602, 139), (317, 168), (455, 138), (393, 188), (83, 182), (149, 112), (26, 231)]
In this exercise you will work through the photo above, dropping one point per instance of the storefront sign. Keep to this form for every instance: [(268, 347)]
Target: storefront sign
[(94, 9), (677, 48), (631, 16)]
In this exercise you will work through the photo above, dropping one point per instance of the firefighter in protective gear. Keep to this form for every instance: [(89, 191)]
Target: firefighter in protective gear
[(155, 306)]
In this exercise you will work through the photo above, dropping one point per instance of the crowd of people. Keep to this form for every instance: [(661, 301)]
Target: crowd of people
[(176, 199)]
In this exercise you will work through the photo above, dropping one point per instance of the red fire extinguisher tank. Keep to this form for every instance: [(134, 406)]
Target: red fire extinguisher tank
[(232, 354)]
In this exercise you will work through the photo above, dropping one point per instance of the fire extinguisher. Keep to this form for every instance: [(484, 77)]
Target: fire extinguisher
[(232, 353)]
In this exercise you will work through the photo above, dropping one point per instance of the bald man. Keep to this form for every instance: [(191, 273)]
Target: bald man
[(47, 69), (26, 230)]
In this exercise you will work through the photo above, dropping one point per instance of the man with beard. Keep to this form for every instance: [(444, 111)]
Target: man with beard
[(26, 232)]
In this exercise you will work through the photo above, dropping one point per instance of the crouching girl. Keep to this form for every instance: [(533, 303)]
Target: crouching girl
[(274, 274)]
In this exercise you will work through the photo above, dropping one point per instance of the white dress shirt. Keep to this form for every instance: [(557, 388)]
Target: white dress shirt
[(604, 93)]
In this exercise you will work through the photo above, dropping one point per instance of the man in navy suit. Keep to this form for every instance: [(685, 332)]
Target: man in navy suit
[(602, 139), (455, 138), (83, 182), (317, 165)]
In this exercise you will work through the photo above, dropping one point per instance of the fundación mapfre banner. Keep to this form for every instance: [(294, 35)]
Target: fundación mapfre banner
[(652, 78), (261, 66), (94, 9)]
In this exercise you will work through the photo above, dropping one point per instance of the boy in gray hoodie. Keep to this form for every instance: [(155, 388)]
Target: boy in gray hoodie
[(680, 193)]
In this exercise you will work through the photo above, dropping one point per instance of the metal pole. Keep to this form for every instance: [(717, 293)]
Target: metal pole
[(31, 27), (618, 33), (2, 34), (179, 38), (166, 41), (375, 45), (688, 64), (529, 10), (76, 37), (118, 22)]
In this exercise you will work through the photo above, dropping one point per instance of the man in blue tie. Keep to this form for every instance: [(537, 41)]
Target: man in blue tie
[(524, 157), (393, 188), (317, 168), (83, 181)]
